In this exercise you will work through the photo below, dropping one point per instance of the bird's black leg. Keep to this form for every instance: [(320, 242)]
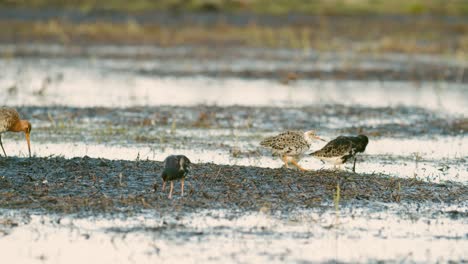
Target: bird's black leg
[(2, 145), (354, 165)]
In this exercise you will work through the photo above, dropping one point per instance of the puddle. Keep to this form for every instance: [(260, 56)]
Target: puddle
[(378, 233), (44, 82)]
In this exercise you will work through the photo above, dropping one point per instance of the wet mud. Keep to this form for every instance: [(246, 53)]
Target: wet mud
[(376, 121), (94, 178), (82, 184), (285, 66)]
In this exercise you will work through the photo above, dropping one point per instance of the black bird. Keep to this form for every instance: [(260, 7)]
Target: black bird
[(341, 149), (175, 167)]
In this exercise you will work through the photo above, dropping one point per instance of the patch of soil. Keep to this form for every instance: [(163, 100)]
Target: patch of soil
[(83, 184)]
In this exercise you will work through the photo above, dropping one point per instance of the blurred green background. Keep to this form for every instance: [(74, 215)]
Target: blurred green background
[(363, 26), (317, 7)]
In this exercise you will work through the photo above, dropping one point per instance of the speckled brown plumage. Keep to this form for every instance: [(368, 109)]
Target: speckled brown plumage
[(8, 118), (10, 121), (290, 145)]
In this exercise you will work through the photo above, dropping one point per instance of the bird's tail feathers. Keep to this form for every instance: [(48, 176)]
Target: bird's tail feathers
[(265, 142), (313, 153)]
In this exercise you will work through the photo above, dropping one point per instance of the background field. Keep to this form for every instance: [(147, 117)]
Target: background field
[(314, 7)]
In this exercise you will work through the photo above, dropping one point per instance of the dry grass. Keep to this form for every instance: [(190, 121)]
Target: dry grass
[(431, 36), (320, 7)]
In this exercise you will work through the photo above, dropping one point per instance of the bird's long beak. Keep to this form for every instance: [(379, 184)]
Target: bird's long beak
[(319, 138), (29, 143)]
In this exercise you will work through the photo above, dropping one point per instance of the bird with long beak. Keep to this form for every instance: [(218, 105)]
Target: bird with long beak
[(291, 145), (10, 122)]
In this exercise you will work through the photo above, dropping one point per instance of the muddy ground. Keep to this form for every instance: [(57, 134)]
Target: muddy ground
[(393, 121), (80, 184), (104, 117), (234, 62)]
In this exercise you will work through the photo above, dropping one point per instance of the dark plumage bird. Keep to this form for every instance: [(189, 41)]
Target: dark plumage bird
[(341, 149), (10, 122), (176, 167)]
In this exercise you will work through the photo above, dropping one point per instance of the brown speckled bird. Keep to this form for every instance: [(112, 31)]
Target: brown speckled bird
[(341, 149), (291, 145), (10, 122)]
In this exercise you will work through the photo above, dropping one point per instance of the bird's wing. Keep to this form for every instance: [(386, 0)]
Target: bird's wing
[(337, 147), (8, 117), (284, 141), (165, 163), (171, 162)]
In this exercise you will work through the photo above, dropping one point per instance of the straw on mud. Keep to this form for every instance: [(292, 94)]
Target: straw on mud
[(398, 199), (173, 126), (51, 119), (336, 198), (120, 179)]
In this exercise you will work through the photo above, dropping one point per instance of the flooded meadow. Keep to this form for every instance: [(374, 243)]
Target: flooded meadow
[(105, 117)]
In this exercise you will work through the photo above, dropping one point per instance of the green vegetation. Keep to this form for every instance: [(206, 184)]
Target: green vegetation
[(362, 35), (318, 7), (337, 28)]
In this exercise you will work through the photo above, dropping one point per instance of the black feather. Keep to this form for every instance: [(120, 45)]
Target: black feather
[(344, 147), (176, 167)]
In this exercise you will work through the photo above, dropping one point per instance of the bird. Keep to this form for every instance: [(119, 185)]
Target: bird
[(341, 149), (291, 145), (10, 122), (175, 167)]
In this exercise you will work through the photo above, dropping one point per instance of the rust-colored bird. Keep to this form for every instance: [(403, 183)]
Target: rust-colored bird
[(10, 122)]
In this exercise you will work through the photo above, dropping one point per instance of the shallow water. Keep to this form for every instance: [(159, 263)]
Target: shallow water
[(412, 126), (92, 82), (438, 160), (385, 232)]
